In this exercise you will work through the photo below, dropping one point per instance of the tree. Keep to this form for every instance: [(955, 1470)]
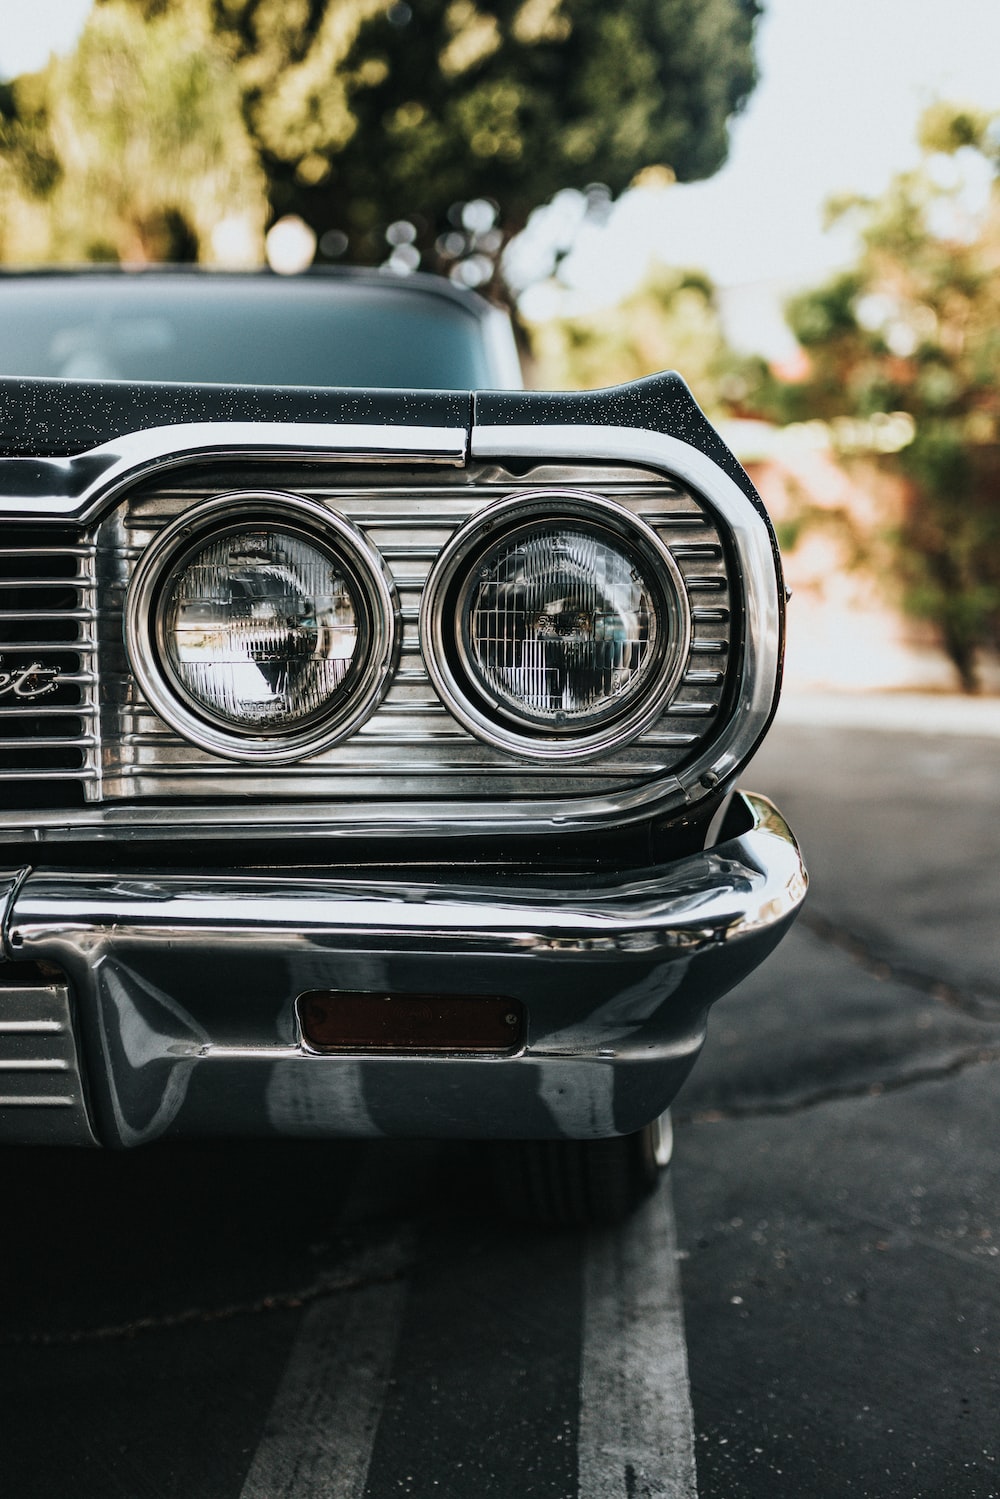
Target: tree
[(915, 327), (369, 113), (671, 321), (29, 168), (132, 148), (427, 127)]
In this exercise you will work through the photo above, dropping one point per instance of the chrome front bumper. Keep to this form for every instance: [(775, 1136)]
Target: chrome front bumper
[(177, 1013)]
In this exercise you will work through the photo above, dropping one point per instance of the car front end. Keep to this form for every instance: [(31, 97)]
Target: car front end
[(368, 759)]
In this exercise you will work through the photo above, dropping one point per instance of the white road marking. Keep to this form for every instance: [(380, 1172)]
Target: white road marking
[(635, 1437), (636, 1433), (318, 1440)]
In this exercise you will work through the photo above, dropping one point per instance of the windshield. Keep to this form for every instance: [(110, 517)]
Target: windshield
[(318, 331)]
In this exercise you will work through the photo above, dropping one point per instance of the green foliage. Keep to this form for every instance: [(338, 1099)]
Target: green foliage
[(946, 128), (670, 322), (825, 317), (132, 148), (367, 112), (24, 137), (915, 328), (949, 542), (358, 114)]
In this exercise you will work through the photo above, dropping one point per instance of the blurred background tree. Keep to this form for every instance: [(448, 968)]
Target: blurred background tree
[(373, 113), (132, 148), (423, 131), (914, 327), (671, 321)]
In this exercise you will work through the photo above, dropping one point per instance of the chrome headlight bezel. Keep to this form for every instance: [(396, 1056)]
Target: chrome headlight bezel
[(445, 647), (367, 678)]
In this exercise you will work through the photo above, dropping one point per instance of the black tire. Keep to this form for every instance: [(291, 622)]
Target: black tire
[(579, 1183)]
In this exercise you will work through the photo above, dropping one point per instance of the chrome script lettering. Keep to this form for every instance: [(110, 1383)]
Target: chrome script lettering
[(31, 681)]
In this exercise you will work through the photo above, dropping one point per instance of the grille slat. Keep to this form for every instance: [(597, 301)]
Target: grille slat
[(672, 521), (707, 585), (39, 774), (43, 549), (41, 1090), (49, 751), (85, 615), (42, 582), (48, 742), (683, 551), (692, 710), (37, 710)]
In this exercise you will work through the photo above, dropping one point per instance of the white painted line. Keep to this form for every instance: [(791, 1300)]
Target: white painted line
[(319, 1435), (636, 1435)]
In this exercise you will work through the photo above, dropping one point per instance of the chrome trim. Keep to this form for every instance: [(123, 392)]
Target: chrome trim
[(368, 571), (438, 635), (174, 978), (714, 897), (41, 1090), (11, 881), (81, 486), (59, 644), (411, 753), (451, 791), (761, 585)]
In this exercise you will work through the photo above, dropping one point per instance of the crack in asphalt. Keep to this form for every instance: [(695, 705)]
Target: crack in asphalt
[(978, 1004), (282, 1301), (776, 1107), (981, 1004)]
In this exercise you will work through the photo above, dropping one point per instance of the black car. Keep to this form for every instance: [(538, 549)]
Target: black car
[(370, 728)]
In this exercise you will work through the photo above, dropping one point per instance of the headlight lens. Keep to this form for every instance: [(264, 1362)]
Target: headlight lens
[(560, 626), (555, 625), (260, 628)]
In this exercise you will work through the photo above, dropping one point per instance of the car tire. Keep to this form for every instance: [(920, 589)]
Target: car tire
[(579, 1183)]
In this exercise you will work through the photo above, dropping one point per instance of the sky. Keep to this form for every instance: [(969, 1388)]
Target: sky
[(29, 32), (841, 87)]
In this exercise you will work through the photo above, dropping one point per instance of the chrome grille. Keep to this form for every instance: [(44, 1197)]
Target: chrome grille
[(49, 726), (41, 1090), (411, 747)]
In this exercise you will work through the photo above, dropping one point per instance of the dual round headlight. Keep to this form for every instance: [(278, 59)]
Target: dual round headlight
[(555, 625), (264, 627)]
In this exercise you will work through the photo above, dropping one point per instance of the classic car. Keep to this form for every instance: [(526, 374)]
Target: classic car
[(370, 729)]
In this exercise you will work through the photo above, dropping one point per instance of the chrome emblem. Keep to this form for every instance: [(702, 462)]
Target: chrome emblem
[(31, 681)]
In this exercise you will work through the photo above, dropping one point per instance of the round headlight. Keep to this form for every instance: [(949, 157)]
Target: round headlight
[(560, 626), (556, 625), (261, 626)]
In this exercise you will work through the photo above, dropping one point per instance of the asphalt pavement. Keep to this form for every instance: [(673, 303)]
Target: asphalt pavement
[(835, 1179), (810, 1307)]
